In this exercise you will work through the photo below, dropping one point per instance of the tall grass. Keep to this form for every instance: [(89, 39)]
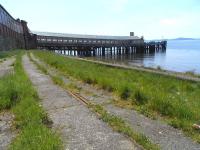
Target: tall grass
[(9, 92), (176, 100), (17, 93)]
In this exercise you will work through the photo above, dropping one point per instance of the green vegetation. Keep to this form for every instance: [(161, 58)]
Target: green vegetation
[(115, 122), (17, 93), (8, 92), (119, 125), (177, 101), (4, 54), (191, 73)]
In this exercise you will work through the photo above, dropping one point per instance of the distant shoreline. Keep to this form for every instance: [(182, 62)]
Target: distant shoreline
[(176, 39)]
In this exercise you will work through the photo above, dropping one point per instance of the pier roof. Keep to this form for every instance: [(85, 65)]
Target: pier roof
[(85, 36)]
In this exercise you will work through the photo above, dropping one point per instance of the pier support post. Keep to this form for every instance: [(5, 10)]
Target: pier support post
[(126, 50), (152, 48), (94, 53), (103, 51)]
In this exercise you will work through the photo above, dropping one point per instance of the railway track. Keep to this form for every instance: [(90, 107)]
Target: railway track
[(78, 97), (83, 100)]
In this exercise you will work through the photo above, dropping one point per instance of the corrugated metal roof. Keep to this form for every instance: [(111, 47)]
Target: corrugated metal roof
[(82, 36)]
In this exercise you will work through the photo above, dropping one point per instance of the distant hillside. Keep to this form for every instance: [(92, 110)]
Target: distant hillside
[(181, 38)]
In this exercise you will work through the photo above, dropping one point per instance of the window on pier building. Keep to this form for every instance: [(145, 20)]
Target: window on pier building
[(20, 28), (48, 40), (60, 40), (85, 41), (6, 18), (12, 24), (3, 18), (1, 14)]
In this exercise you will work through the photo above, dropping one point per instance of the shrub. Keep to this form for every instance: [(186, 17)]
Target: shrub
[(125, 93), (140, 97), (164, 106)]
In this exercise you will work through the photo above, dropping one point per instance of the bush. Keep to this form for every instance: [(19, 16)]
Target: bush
[(183, 112), (125, 93), (140, 97), (164, 106)]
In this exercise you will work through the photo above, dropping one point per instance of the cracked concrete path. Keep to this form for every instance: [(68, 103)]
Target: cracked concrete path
[(160, 133), (6, 132), (78, 126), (6, 118), (157, 131), (6, 66)]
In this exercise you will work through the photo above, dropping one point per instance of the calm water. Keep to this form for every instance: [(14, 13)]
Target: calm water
[(180, 56)]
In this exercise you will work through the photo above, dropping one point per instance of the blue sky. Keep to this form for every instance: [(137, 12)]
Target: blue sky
[(149, 18)]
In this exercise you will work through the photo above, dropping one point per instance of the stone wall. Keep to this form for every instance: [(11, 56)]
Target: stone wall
[(9, 43), (11, 31)]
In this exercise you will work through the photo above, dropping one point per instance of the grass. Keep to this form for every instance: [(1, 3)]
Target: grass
[(191, 72), (115, 122), (119, 125), (177, 101), (9, 92), (17, 94), (5, 54)]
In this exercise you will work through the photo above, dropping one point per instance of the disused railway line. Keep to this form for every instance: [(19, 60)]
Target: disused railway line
[(78, 97)]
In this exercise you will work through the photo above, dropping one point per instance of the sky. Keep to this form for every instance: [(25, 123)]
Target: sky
[(153, 19)]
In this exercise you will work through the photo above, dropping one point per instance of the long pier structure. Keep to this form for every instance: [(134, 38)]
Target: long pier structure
[(14, 33)]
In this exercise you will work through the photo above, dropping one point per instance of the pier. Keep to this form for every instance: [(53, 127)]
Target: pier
[(93, 45), (14, 33)]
